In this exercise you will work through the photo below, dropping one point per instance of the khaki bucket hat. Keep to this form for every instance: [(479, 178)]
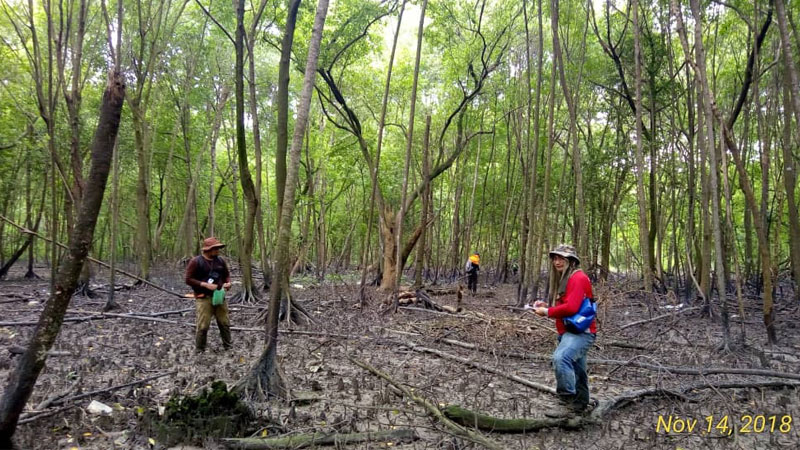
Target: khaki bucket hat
[(567, 251)]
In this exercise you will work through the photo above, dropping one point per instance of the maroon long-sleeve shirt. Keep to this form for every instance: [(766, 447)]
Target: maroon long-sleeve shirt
[(578, 288), (199, 271)]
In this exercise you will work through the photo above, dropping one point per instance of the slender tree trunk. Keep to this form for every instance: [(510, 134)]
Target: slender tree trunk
[(111, 302), (30, 274), (764, 250), (222, 100), (790, 184), (580, 220), (143, 241), (719, 265), (543, 240), (401, 213), (248, 188), (791, 96), (374, 173), (644, 241), (426, 204), (31, 363), (261, 206), (282, 135), (455, 234), (534, 252), (468, 245), (264, 380)]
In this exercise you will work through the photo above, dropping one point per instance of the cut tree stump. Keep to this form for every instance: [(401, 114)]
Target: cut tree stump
[(313, 439)]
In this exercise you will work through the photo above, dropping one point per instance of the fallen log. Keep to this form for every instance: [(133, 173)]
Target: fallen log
[(489, 423), (401, 435), (485, 422)]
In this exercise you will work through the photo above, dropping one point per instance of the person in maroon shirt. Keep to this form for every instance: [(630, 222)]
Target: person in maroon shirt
[(205, 274), (568, 287)]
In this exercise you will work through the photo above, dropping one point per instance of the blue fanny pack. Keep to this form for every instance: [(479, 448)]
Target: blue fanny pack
[(580, 321)]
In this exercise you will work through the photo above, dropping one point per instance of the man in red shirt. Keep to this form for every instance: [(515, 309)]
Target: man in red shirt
[(207, 273), (568, 288)]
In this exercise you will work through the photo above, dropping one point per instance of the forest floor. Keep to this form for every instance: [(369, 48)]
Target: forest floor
[(108, 351)]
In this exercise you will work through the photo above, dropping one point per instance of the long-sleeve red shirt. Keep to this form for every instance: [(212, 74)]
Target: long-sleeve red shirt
[(578, 288), (198, 271)]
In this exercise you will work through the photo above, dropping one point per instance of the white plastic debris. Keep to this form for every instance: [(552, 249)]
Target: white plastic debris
[(100, 409), (298, 286)]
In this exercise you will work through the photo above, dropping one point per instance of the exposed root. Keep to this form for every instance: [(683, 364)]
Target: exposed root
[(265, 382), (245, 296), (111, 305), (84, 290), (31, 275)]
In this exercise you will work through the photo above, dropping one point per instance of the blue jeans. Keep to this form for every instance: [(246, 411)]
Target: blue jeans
[(569, 362)]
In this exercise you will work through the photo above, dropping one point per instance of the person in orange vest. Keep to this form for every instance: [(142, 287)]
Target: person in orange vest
[(472, 267)]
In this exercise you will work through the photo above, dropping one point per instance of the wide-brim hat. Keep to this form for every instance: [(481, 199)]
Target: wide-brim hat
[(566, 251), (212, 243)]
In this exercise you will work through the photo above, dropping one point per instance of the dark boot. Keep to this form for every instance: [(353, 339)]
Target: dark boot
[(200, 339), (225, 333)]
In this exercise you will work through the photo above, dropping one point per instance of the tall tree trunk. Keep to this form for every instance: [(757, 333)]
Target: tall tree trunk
[(264, 380), (790, 184), (761, 233), (401, 212), (580, 220), (543, 240), (374, 173), (644, 240), (247, 293), (468, 245), (426, 205), (455, 233), (30, 274), (222, 100), (31, 363), (266, 271), (111, 302), (143, 241), (282, 135), (534, 253), (719, 265), (791, 92)]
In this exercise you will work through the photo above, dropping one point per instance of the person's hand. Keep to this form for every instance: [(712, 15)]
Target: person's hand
[(541, 311), (227, 285), (539, 304), (210, 286)]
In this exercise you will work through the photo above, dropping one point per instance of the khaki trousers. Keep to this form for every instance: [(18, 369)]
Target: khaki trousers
[(205, 311)]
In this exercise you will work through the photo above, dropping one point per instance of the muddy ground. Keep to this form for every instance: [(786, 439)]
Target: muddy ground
[(109, 351)]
